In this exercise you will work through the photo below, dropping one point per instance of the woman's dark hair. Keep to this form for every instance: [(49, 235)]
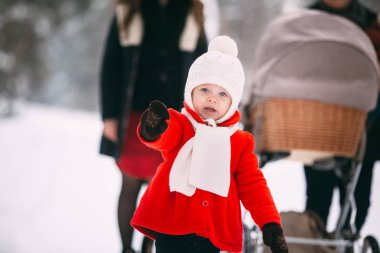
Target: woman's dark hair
[(134, 7)]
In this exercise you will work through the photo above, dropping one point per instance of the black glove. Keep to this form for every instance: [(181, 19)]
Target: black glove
[(273, 237), (152, 122)]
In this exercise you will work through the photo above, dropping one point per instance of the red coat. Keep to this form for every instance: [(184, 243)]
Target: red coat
[(205, 214)]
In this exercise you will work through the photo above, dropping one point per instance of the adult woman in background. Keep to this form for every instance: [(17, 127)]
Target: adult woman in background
[(150, 46), (319, 198)]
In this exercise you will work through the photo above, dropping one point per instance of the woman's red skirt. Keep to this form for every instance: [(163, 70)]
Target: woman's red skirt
[(137, 160)]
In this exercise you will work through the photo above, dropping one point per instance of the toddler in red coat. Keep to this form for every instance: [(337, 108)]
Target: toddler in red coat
[(192, 204)]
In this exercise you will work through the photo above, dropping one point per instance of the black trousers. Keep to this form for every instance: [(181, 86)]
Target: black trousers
[(320, 186), (319, 191), (190, 243)]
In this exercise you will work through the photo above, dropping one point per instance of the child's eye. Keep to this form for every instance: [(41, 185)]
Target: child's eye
[(223, 94), (204, 89)]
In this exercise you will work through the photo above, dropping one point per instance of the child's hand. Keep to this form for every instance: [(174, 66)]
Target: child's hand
[(152, 123), (273, 237)]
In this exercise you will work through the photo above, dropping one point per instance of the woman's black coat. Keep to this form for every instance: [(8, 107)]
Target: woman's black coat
[(118, 80)]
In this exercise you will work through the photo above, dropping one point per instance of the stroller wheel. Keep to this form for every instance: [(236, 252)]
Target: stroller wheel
[(370, 244)]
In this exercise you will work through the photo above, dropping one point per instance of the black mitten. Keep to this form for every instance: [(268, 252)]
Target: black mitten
[(152, 122), (273, 237)]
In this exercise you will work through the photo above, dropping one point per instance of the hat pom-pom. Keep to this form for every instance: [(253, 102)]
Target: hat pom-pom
[(223, 44)]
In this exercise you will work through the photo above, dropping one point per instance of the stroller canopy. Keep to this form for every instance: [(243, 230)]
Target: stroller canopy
[(309, 54)]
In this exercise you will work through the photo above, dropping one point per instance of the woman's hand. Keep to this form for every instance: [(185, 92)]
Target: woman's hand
[(110, 129)]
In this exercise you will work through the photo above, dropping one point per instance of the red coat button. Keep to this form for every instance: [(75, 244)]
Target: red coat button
[(204, 203)]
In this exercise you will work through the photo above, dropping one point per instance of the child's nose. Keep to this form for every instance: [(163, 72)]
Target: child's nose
[(212, 99)]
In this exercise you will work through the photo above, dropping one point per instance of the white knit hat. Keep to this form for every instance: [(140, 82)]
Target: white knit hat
[(220, 66)]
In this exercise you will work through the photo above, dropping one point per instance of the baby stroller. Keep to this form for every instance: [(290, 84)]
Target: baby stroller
[(315, 79)]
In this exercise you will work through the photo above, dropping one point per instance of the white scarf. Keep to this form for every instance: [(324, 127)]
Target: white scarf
[(204, 160)]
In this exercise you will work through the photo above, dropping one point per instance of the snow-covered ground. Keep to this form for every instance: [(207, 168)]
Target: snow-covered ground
[(57, 195)]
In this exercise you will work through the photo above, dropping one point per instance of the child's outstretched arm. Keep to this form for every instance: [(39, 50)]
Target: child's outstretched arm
[(153, 121)]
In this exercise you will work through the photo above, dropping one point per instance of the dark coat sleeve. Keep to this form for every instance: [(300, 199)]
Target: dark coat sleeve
[(111, 74), (189, 58), (354, 12), (202, 45)]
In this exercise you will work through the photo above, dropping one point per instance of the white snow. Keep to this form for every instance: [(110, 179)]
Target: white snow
[(57, 195)]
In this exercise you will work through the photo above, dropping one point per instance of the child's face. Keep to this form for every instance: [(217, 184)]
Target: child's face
[(211, 101)]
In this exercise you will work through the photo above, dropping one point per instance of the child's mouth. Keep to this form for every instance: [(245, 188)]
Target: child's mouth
[(210, 109)]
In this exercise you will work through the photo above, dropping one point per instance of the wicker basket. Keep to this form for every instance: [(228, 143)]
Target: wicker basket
[(289, 124)]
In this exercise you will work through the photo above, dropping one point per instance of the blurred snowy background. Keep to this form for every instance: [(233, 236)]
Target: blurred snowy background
[(50, 50), (56, 193)]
